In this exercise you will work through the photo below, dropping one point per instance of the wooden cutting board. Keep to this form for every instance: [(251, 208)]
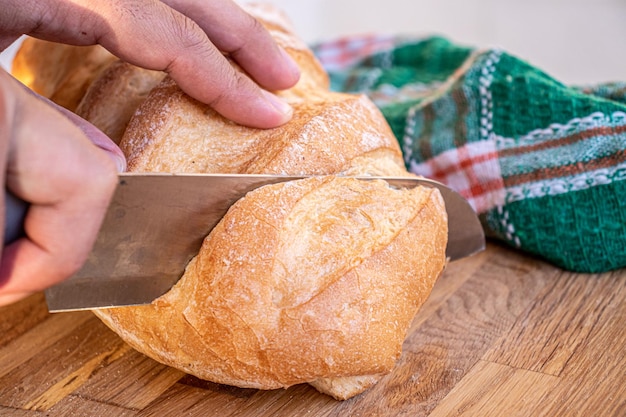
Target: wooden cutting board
[(502, 334)]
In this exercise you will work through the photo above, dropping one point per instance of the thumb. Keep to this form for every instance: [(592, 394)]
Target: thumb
[(49, 163), (96, 136)]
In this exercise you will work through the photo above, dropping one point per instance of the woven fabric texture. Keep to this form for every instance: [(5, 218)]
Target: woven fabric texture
[(542, 163)]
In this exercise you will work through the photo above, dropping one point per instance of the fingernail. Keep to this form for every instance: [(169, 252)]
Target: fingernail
[(278, 103), (116, 156), (120, 162), (115, 153)]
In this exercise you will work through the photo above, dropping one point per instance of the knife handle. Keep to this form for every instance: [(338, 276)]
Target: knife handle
[(14, 213)]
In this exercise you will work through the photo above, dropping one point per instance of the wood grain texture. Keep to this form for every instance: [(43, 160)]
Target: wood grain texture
[(501, 334)]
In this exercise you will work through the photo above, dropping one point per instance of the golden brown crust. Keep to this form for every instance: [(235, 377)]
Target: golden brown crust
[(112, 98), (300, 281), (59, 72), (174, 133)]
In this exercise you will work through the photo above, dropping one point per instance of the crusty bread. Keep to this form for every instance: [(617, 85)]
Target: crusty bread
[(59, 72), (112, 98), (171, 132), (310, 281), (302, 281), (65, 74)]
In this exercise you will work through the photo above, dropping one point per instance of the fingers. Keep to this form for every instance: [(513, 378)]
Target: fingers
[(178, 45), (185, 40), (235, 32), (67, 181)]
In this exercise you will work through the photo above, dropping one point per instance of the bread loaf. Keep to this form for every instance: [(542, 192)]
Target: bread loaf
[(59, 72), (307, 281), (112, 98), (310, 281)]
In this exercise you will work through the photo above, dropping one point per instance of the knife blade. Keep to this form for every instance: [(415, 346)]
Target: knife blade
[(128, 266)]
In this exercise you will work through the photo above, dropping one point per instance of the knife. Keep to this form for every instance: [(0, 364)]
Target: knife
[(128, 264)]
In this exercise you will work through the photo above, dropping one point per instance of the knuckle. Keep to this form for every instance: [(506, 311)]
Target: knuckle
[(186, 34), (68, 266), (235, 83)]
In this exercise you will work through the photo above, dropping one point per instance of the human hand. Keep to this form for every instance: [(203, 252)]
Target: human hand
[(185, 38), (67, 180)]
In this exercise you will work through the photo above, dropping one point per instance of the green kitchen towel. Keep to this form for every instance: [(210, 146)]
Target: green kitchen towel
[(542, 163)]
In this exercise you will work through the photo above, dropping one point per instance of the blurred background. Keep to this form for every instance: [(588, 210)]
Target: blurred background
[(575, 41)]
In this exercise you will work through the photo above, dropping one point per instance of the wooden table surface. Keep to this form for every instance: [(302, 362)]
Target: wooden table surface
[(502, 334)]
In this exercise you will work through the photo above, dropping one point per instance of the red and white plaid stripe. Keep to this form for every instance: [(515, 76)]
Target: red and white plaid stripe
[(344, 52), (472, 170)]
